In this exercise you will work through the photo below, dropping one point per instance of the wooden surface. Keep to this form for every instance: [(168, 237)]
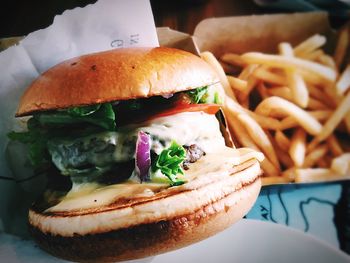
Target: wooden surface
[(20, 17)]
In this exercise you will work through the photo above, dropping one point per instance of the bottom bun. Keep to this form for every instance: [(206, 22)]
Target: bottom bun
[(151, 238)]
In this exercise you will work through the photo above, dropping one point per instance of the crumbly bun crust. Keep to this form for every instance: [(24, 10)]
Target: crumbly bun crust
[(157, 234), (117, 74)]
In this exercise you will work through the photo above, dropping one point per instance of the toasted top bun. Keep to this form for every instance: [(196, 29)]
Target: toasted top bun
[(118, 74)]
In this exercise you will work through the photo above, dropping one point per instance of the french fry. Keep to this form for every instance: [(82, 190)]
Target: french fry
[(314, 156), (313, 78), (269, 168), (243, 138), (261, 88), (341, 47), (237, 84), (233, 59), (282, 141), (320, 95), (313, 56), (347, 121), (264, 74), (289, 173), (267, 123), (327, 60), (259, 137), (299, 91), (331, 93), (309, 123), (283, 92), (283, 157), (312, 43), (322, 163), (252, 82), (343, 83), (240, 133), (341, 164), (312, 175), (230, 69), (243, 101), (232, 109), (290, 122), (332, 122), (248, 71), (334, 145), (214, 63), (321, 115), (298, 147), (274, 180), (278, 61), (316, 105)]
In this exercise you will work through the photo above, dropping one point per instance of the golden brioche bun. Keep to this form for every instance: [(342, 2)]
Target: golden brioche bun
[(118, 74), (111, 234)]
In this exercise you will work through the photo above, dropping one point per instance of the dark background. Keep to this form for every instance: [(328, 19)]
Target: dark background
[(20, 17)]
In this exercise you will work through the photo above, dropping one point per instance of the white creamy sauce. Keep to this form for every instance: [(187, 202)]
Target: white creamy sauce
[(186, 128), (214, 165)]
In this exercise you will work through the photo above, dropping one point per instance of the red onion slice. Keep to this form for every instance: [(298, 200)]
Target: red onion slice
[(167, 96), (143, 156)]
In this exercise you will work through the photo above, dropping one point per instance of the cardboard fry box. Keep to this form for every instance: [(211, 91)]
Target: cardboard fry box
[(321, 209), (260, 32)]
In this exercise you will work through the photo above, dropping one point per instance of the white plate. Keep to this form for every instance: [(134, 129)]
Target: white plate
[(247, 241)]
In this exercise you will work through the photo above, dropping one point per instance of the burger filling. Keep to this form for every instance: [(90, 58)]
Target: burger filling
[(144, 140)]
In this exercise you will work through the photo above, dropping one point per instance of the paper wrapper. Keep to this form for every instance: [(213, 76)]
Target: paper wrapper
[(105, 25)]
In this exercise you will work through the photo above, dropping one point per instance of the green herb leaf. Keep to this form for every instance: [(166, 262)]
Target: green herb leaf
[(169, 161), (198, 95)]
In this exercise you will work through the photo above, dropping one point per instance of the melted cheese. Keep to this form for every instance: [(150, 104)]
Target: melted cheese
[(211, 167), (185, 128)]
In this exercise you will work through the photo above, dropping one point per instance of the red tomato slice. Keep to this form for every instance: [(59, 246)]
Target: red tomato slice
[(207, 108)]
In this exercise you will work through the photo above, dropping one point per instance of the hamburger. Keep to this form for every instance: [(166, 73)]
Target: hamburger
[(135, 159)]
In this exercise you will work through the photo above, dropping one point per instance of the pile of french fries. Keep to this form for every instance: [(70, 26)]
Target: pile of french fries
[(293, 106)]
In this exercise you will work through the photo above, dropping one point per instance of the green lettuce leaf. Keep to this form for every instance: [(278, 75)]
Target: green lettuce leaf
[(101, 115), (47, 125), (169, 163), (36, 139), (83, 111)]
